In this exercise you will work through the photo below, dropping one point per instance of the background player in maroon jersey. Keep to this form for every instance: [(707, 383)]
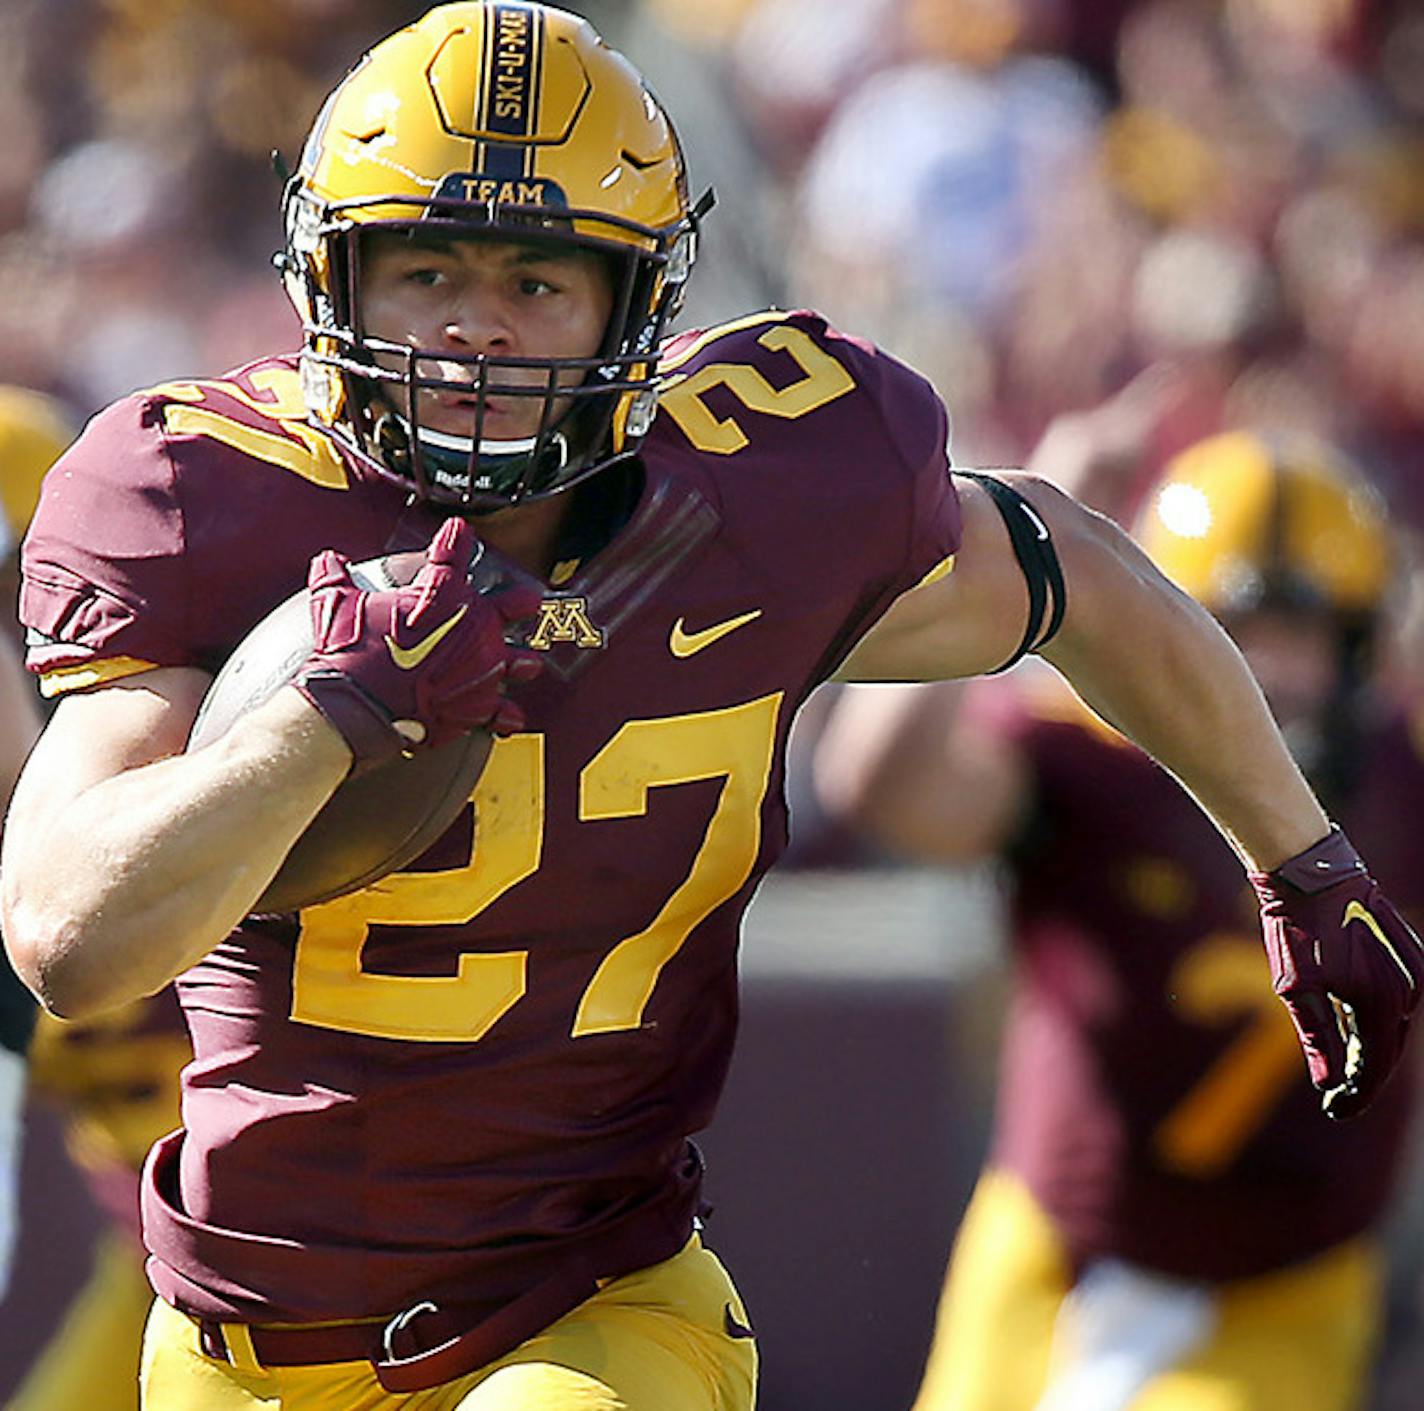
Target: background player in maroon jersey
[(1164, 1223), (436, 1134), (115, 1080)]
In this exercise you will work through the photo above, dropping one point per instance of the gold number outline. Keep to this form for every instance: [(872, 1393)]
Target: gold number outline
[(332, 990), (683, 394)]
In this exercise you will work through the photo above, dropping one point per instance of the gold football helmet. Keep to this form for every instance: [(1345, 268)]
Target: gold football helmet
[(34, 430), (502, 118), (1240, 521)]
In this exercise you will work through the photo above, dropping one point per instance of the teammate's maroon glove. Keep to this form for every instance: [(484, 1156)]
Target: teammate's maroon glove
[(429, 658), (1347, 965)]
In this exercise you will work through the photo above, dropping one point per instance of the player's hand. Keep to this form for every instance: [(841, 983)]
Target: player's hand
[(414, 667), (1347, 965)]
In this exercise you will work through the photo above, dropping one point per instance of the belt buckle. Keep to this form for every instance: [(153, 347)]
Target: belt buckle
[(399, 1324), (211, 1342)]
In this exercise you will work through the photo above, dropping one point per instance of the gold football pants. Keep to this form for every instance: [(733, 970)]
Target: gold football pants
[(1301, 1338), (656, 1340)]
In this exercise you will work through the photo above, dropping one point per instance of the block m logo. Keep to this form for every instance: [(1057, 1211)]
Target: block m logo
[(564, 620)]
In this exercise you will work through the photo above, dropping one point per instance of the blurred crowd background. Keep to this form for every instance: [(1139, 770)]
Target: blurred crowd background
[(1032, 200), (1154, 218)]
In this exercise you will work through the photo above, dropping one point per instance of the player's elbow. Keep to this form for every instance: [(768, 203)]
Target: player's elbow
[(54, 963), (45, 979), (32, 967)]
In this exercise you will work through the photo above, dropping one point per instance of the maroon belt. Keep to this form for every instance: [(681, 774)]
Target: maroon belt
[(425, 1346), (291, 1347)]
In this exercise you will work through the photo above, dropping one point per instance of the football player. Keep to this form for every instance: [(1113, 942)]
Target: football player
[(1164, 1223), (436, 1133)]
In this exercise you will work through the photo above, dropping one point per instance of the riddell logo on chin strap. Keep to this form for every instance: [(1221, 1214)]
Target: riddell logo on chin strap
[(564, 620)]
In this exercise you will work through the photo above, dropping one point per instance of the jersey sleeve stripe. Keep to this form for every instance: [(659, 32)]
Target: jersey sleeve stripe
[(63, 679), (941, 570)]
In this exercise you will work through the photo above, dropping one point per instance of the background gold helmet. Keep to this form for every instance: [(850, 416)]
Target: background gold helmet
[(488, 118), (34, 430), (1244, 523), (1240, 522)]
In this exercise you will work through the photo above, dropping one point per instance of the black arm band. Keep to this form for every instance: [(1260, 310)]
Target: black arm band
[(1033, 547)]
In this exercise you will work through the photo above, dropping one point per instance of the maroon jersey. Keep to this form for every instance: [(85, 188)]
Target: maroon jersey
[(486, 1068), (1153, 1095)]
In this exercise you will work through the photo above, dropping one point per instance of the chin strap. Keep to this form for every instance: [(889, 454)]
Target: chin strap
[(494, 450), (442, 451)]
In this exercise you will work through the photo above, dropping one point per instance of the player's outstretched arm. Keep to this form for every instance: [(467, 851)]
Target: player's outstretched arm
[(1155, 664), (1141, 653)]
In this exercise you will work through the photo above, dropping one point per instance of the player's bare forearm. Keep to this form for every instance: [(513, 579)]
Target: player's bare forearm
[(114, 884), (1156, 665)]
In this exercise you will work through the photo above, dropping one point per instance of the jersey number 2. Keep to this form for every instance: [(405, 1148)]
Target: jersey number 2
[(822, 380), (332, 990)]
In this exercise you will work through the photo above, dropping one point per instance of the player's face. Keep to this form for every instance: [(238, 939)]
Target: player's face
[(1295, 657), (499, 298)]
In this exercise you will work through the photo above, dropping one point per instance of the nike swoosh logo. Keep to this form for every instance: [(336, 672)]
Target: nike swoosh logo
[(1358, 912), (735, 1327), (408, 658), (1039, 527), (685, 644)]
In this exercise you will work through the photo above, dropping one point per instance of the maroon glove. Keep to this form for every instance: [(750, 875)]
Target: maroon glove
[(429, 658), (1347, 965)]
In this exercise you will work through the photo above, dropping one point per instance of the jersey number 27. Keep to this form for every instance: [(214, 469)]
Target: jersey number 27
[(735, 744)]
